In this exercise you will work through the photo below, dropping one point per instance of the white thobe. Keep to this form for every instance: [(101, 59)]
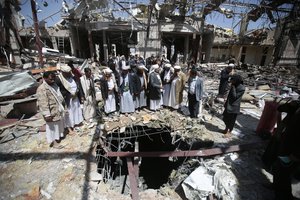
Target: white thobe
[(126, 103), (166, 88), (141, 100), (74, 115), (110, 102), (89, 104), (172, 100), (155, 104), (55, 130)]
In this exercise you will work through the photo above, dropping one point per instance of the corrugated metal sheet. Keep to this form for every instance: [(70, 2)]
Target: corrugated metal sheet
[(13, 82)]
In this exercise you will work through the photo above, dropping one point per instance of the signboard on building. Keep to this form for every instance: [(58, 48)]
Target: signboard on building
[(184, 28)]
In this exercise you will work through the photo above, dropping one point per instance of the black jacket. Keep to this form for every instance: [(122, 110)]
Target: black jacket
[(65, 93), (290, 140), (104, 88), (133, 84), (234, 99), (223, 82), (154, 86)]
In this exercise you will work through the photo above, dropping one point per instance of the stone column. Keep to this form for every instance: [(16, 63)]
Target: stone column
[(105, 49), (186, 48), (91, 46)]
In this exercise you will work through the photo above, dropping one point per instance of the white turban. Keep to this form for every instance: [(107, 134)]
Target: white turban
[(142, 67), (65, 68), (125, 67), (155, 66), (177, 67), (107, 71), (168, 65), (231, 65)]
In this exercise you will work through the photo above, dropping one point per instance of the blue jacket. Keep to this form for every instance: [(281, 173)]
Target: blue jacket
[(199, 87)]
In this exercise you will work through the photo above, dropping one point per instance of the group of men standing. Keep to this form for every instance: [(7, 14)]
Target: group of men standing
[(134, 87), (68, 98), (60, 97)]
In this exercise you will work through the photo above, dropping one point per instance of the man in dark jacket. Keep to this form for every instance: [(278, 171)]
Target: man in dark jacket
[(155, 88), (233, 103), (288, 153), (224, 80)]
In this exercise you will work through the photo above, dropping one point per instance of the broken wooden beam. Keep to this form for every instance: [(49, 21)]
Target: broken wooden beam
[(132, 180), (192, 153)]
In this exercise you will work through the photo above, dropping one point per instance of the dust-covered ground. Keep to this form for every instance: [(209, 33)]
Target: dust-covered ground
[(30, 169)]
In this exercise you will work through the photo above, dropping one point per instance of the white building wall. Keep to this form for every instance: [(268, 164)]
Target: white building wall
[(219, 54), (153, 43)]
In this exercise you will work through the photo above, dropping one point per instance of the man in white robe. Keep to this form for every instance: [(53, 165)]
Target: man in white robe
[(88, 96), (177, 87), (70, 92), (109, 89), (141, 100), (127, 90)]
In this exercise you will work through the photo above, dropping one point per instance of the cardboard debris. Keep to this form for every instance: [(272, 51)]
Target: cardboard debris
[(198, 188), (33, 194), (216, 178), (264, 87)]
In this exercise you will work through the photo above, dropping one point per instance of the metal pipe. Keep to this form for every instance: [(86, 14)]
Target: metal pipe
[(37, 33)]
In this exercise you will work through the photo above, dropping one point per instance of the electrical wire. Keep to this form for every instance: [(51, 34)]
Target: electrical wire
[(26, 1)]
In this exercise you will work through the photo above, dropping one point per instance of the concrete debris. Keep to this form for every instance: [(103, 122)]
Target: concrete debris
[(216, 178), (95, 176), (198, 188), (264, 82), (180, 125), (45, 194), (226, 177), (33, 194), (50, 188), (30, 160), (263, 87)]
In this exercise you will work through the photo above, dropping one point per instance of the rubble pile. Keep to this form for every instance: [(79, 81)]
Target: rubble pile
[(178, 123), (254, 75), (263, 83), (227, 177), (72, 172)]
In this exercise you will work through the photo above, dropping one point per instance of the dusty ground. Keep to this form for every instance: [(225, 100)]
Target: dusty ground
[(31, 170)]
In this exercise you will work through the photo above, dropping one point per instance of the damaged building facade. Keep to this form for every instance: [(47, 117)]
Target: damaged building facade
[(147, 154), (177, 30)]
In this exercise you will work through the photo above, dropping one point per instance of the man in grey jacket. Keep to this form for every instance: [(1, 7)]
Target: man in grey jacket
[(195, 92), (233, 103)]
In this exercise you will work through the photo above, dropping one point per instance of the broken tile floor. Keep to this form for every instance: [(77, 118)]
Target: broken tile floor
[(29, 169)]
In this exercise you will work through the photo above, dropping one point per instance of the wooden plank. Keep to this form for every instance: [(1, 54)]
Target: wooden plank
[(7, 123), (192, 153), (37, 71), (136, 160), (132, 180)]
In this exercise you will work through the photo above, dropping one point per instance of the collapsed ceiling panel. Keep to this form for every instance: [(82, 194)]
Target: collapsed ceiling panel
[(13, 82)]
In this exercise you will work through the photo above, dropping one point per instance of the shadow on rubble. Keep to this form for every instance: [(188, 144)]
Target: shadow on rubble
[(79, 155), (252, 181), (244, 128), (242, 177)]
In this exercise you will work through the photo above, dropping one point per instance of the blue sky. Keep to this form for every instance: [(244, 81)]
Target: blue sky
[(53, 7), (214, 18)]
